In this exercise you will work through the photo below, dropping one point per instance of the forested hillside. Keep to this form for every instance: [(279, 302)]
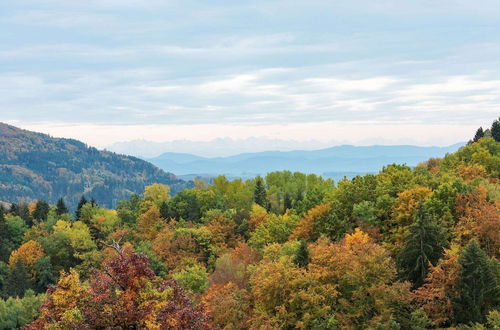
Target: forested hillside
[(36, 166), (406, 248)]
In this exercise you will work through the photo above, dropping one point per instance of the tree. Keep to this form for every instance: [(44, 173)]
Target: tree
[(423, 246), (150, 223), (19, 280), (157, 193), (41, 211), (124, 295), (302, 257), (82, 202), (478, 290), (495, 130), (193, 278), (259, 194), (61, 207), (479, 134), (44, 274)]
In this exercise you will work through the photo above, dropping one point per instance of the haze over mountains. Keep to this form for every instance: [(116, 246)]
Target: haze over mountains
[(335, 162)]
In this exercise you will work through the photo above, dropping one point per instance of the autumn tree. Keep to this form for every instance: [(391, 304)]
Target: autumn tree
[(423, 246), (150, 223), (124, 295)]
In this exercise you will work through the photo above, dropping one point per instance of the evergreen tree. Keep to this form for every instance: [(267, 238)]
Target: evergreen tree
[(44, 274), (93, 202), (165, 211), (478, 290), (423, 245), (19, 280), (259, 195), (82, 202), (495, 130), (287, 202), (61, 207), (41, 211), (479, 134), (302, 258), (4, 238), (4, 276)]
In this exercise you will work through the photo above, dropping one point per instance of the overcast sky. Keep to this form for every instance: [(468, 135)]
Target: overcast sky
[(350, 71)]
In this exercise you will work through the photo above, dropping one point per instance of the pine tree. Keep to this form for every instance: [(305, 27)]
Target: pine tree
[(424, 245), (41, 211), (259, 195), (93, 202), (82, 202), (478, 290), (165, 211), (19, 280), (61, 207), (302, 258), (495, 130), (479, 134)]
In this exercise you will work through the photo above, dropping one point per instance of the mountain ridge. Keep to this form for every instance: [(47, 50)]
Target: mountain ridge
[(37, 166)]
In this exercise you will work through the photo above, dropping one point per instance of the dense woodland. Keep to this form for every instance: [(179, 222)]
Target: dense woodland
[(36, 166), (407, 248)]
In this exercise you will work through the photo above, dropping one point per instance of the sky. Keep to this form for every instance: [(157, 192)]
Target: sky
[(420, 72)]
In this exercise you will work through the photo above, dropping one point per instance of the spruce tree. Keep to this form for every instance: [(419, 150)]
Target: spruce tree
[(4, 238), (41, 211), (302, 258), (495, 130), (259, 195), (19, 280), (423, 245), (61, 207), (479, 134), (82, 202), (44, 274), (478, 290)]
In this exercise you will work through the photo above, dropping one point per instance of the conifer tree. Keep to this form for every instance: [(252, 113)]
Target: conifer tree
[(19, 280), (4, 238), (259, 195), (479, 134), (82, 202), (302, 258), (44, 274), (495, 130), (424, 245), (478, 290), (287, 202), (61, 207), (41, 211)]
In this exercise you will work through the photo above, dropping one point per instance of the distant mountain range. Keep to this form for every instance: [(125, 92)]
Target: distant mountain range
[(37, 166), (334, 162)]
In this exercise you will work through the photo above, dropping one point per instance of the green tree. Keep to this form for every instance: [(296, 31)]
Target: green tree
[(41, 211), (19, 280), (479, 134), (259, 194), (424, 245), (61, 207), (495, 130), (44, 274), (193, 278), (302, 258), (82, 202), (478, 289)]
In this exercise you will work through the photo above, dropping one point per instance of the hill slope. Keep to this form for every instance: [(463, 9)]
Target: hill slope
[(331, 162), (37, 166)]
